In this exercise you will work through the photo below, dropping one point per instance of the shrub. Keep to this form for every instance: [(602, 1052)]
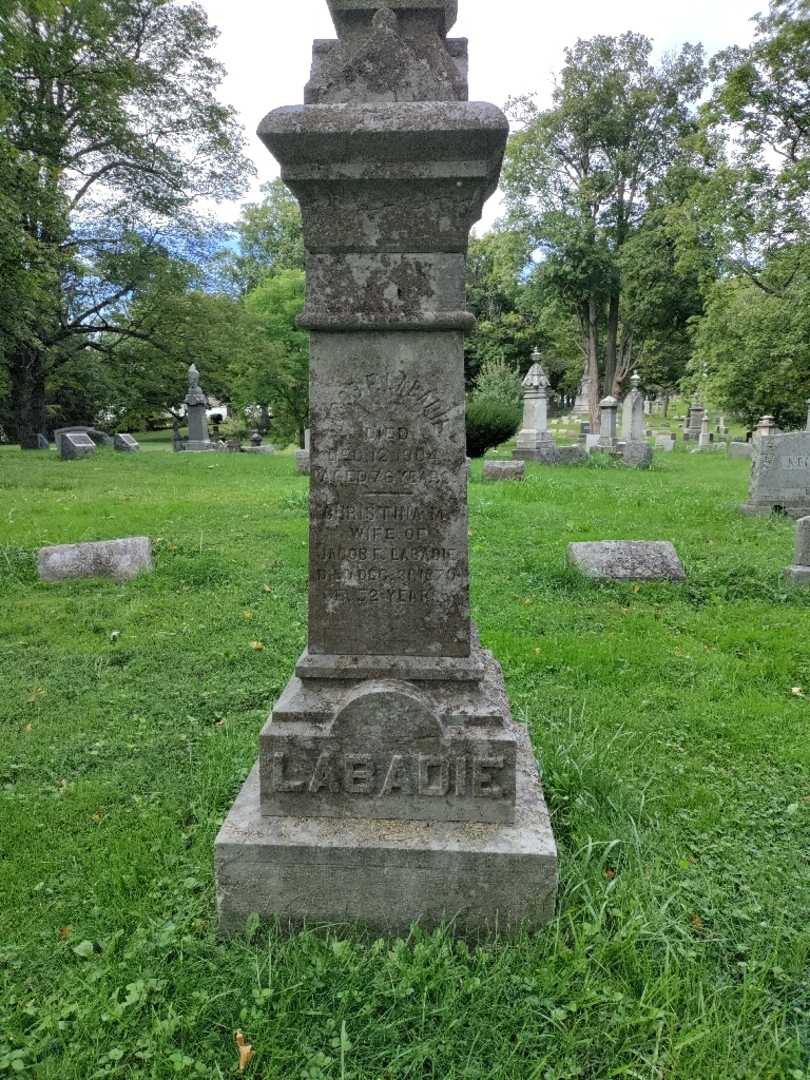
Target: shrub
[(490, 422)]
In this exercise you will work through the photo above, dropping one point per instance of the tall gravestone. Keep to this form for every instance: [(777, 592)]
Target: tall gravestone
[(633, 413), (608, 410), (392, 783), (196, 412), (534, 441)]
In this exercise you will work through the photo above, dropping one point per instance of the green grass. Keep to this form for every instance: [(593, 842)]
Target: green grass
[(672, 724)]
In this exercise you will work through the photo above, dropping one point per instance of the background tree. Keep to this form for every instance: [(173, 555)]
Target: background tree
[(578, 175), (278, 373), (112, 132), (270, 238)]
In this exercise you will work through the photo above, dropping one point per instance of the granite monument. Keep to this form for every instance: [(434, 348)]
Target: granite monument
[(392, 784)]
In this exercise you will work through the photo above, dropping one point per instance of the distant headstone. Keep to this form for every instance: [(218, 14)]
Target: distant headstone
[(627, 560), (99, 438), (766, 427), (591, 443), (73, 444), (780, 477), (741, 450), (302, 462), (807, 427), (116, 559), (126, 444), (42, 442), (256, 438), (572, 455), (633, 412), (704, 439), (665, 442), (534, 442), (196, 403), (504, 470), (799, 572), (637, 455), (582, 405), (608, 408), (694, 423)]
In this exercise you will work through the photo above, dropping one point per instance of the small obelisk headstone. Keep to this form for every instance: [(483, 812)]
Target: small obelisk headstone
[(534, 441), (705, 438), (766, 428), (393, 784)]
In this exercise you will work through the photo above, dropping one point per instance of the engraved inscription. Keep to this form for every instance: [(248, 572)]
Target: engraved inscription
[(425, 775)]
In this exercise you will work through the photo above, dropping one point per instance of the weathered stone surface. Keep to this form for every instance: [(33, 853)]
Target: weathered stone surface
[(799, 573), (504, 470), (666, 443), (803, 542), (126, 444), (534, 442), (120, 560), (391, 749), (74, 445), (42, 442), (196, 402), (694, 423), (633, 413), (545, 451), (628, 560), (388, 494), (638, 455), (798, 576), (591, 442), (389, 51), (741, 450), (572, 455), (302, 463), (388, 874), (780, 478), (395, 715), (608, 419)]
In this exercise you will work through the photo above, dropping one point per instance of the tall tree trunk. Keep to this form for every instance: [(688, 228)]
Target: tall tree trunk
[(592, 362), (612, 343), (28, 397)]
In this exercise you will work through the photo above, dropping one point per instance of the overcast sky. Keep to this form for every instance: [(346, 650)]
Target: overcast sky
[(515, 46)]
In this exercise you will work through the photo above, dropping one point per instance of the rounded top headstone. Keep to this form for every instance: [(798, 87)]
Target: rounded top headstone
[(608, 403)]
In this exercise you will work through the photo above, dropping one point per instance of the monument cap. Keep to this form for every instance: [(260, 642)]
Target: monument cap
[(344, 10)]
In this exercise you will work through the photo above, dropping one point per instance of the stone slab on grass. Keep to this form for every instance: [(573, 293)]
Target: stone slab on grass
[(504, 470), (120, 560), (627, 560)]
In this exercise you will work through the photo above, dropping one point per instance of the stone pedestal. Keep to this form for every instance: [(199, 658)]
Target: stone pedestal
[(534, 441), (633, 413), (392, 783), (196, 405), (608, 410)]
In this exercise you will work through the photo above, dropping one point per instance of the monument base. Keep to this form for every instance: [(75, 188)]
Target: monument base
[(546, 455), (194, 446), (795, 512), (798, 576), (387, 875)]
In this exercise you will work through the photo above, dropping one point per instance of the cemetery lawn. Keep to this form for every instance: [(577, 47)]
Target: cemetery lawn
[(672, 724)]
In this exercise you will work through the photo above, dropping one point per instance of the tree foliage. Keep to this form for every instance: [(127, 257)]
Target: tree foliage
[(578, 176), (112, 132)]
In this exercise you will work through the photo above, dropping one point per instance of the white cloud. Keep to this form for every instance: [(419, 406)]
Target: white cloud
[(515, 47)]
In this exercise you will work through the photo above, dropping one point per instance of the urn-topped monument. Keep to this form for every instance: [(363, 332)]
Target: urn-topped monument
[(392, 783)]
